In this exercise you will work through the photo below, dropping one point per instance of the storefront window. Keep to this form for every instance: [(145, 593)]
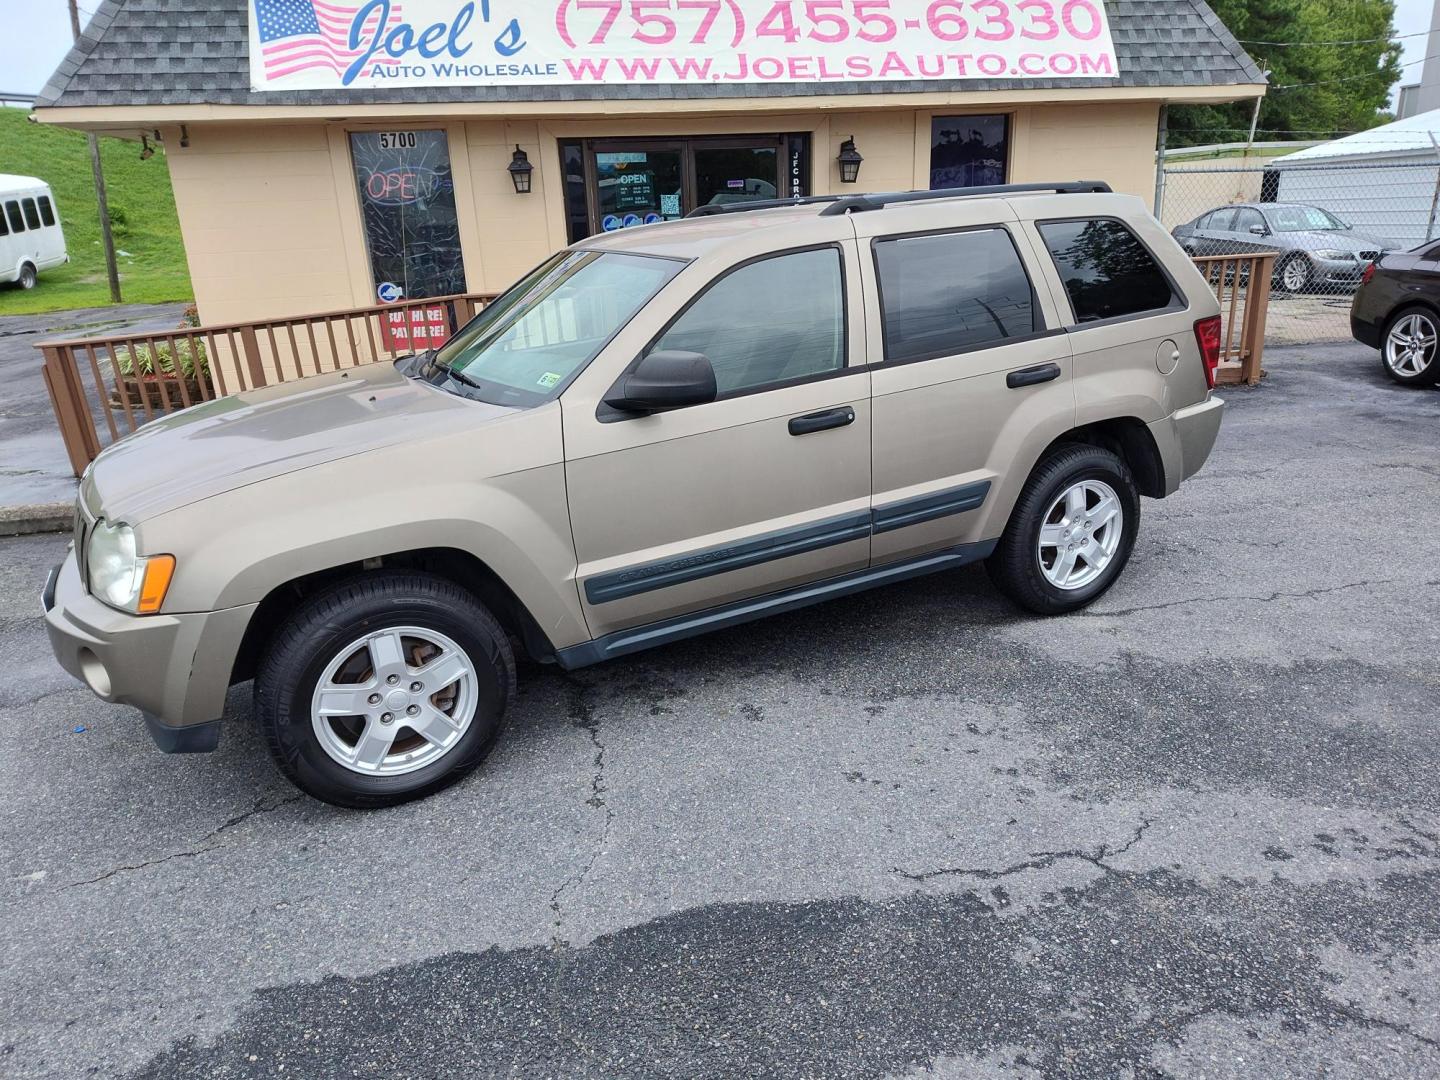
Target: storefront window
[(407, 197), (638, 187), (968, 151)]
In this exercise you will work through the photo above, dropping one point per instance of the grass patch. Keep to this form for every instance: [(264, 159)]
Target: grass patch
[(142, 210)]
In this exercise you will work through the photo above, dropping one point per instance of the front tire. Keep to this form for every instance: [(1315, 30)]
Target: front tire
[(384, 689), (1409, 346), (28, 277), (1294, 274), (1071, 532)]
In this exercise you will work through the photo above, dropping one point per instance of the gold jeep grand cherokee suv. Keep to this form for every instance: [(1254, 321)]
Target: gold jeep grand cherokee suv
[(658, 432)]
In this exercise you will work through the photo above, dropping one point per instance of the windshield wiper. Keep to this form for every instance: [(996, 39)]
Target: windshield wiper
[(460, 377)]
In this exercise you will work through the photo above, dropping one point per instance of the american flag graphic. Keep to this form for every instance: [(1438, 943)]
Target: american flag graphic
[(296, 35)]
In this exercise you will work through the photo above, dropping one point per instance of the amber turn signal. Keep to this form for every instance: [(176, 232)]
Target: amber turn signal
[(159, 569)]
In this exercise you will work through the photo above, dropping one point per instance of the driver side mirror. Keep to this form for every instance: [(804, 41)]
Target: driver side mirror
[(1259, 230), (665, 380)]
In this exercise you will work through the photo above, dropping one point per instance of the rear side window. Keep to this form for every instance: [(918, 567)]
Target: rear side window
[(32, 213), (4, 225), (1221, 220), (47, 212), (770, 322), (12, 214), (1107, 271), (951, 292)]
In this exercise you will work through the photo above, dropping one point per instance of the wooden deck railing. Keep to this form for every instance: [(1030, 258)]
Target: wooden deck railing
[(1242, 285), (106, 387), (103, 388)]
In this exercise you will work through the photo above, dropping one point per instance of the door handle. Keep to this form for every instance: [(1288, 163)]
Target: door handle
[(1031, 376), (822, 421)]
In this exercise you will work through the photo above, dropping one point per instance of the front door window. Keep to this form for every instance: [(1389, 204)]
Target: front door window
[(638, 187)]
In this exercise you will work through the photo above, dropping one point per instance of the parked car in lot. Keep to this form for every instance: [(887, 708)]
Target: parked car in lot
[(658, 432), (1316, 250), (1397, 310), (31, 237)]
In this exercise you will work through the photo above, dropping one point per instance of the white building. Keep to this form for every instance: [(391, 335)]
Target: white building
[(1385, 181)]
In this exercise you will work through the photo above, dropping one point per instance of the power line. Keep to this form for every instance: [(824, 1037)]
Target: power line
[(1356, 41), (1351, 78)]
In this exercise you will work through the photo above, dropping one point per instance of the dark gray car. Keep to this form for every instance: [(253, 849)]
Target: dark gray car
[(1316, 249)]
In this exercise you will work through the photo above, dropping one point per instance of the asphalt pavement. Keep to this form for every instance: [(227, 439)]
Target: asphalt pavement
[(1193, 831), (34, 469)]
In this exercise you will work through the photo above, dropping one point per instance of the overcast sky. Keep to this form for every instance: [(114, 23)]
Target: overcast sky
[(37, 34)]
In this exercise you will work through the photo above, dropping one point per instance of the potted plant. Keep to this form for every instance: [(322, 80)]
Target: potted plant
[(155, 373)]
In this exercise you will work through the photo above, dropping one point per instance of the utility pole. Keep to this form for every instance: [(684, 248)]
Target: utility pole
[(107, 241)]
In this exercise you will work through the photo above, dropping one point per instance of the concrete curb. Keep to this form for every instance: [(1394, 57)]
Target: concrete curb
[(36, 518)]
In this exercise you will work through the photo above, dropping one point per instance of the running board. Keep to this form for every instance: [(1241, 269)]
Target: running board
[(639, 638)]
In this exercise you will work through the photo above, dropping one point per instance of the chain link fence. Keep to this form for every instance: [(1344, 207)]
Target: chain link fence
[(1325, 223)]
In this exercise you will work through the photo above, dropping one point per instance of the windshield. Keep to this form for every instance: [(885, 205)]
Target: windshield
[(1304, 219), (523, 347)]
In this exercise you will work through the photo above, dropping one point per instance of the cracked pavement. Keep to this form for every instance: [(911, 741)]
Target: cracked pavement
[(1191, 832)]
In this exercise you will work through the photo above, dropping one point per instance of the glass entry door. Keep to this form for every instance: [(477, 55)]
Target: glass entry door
[(634, 182)]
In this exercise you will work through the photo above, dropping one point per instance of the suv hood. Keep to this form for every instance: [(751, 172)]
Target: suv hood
[(235, 441)]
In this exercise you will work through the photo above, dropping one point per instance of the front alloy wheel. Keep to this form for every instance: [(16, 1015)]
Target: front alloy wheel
[(1409, 349), (1295, 274), (384, 688), (394, 701)]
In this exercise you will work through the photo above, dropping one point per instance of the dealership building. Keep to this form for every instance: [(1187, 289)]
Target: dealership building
[(330, 156)]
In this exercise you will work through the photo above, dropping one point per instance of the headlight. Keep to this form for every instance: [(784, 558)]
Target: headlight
[(1328, 253), (122, 579)]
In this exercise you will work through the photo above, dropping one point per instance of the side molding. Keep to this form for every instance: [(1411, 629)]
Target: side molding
[(661, 574), (636, 639)]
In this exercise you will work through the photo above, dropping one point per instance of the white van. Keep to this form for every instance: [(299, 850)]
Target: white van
[(31, 239)]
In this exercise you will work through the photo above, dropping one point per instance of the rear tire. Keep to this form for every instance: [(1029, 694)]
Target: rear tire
[(1409, 352), (28, 277), (399, 649), (1071, 532)]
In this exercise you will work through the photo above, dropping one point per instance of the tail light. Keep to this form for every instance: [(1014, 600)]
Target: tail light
[(1368, 274), (1207, 336)]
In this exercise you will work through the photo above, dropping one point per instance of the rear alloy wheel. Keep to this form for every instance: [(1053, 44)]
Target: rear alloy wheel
[(1071, 532), (1295, 274), (28, 277), (384, 689), (1408, 352)]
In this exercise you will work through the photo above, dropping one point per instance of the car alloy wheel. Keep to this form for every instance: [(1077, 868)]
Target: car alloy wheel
[(1296, 274), (1080, 534), (394, 701), (1410, 345)]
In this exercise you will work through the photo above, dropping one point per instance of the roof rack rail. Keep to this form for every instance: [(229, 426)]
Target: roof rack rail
[(848, 204), (712, 209)]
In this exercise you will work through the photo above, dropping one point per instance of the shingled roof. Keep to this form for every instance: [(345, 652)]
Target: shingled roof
[(189, 52)]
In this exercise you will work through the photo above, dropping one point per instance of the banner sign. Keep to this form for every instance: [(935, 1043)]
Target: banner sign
[(376, 44), (414, 329)]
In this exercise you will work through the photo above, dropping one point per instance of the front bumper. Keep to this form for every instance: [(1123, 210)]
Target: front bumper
[(1344, 273), (173, 668), (1185, 439)]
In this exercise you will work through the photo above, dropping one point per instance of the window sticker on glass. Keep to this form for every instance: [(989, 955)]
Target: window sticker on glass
[(549, 379)]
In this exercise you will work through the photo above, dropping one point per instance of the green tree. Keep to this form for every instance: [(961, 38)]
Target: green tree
[(1342, 88)]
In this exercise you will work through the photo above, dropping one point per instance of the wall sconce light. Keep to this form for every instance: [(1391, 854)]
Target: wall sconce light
[(520, 171), (849, 161)]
